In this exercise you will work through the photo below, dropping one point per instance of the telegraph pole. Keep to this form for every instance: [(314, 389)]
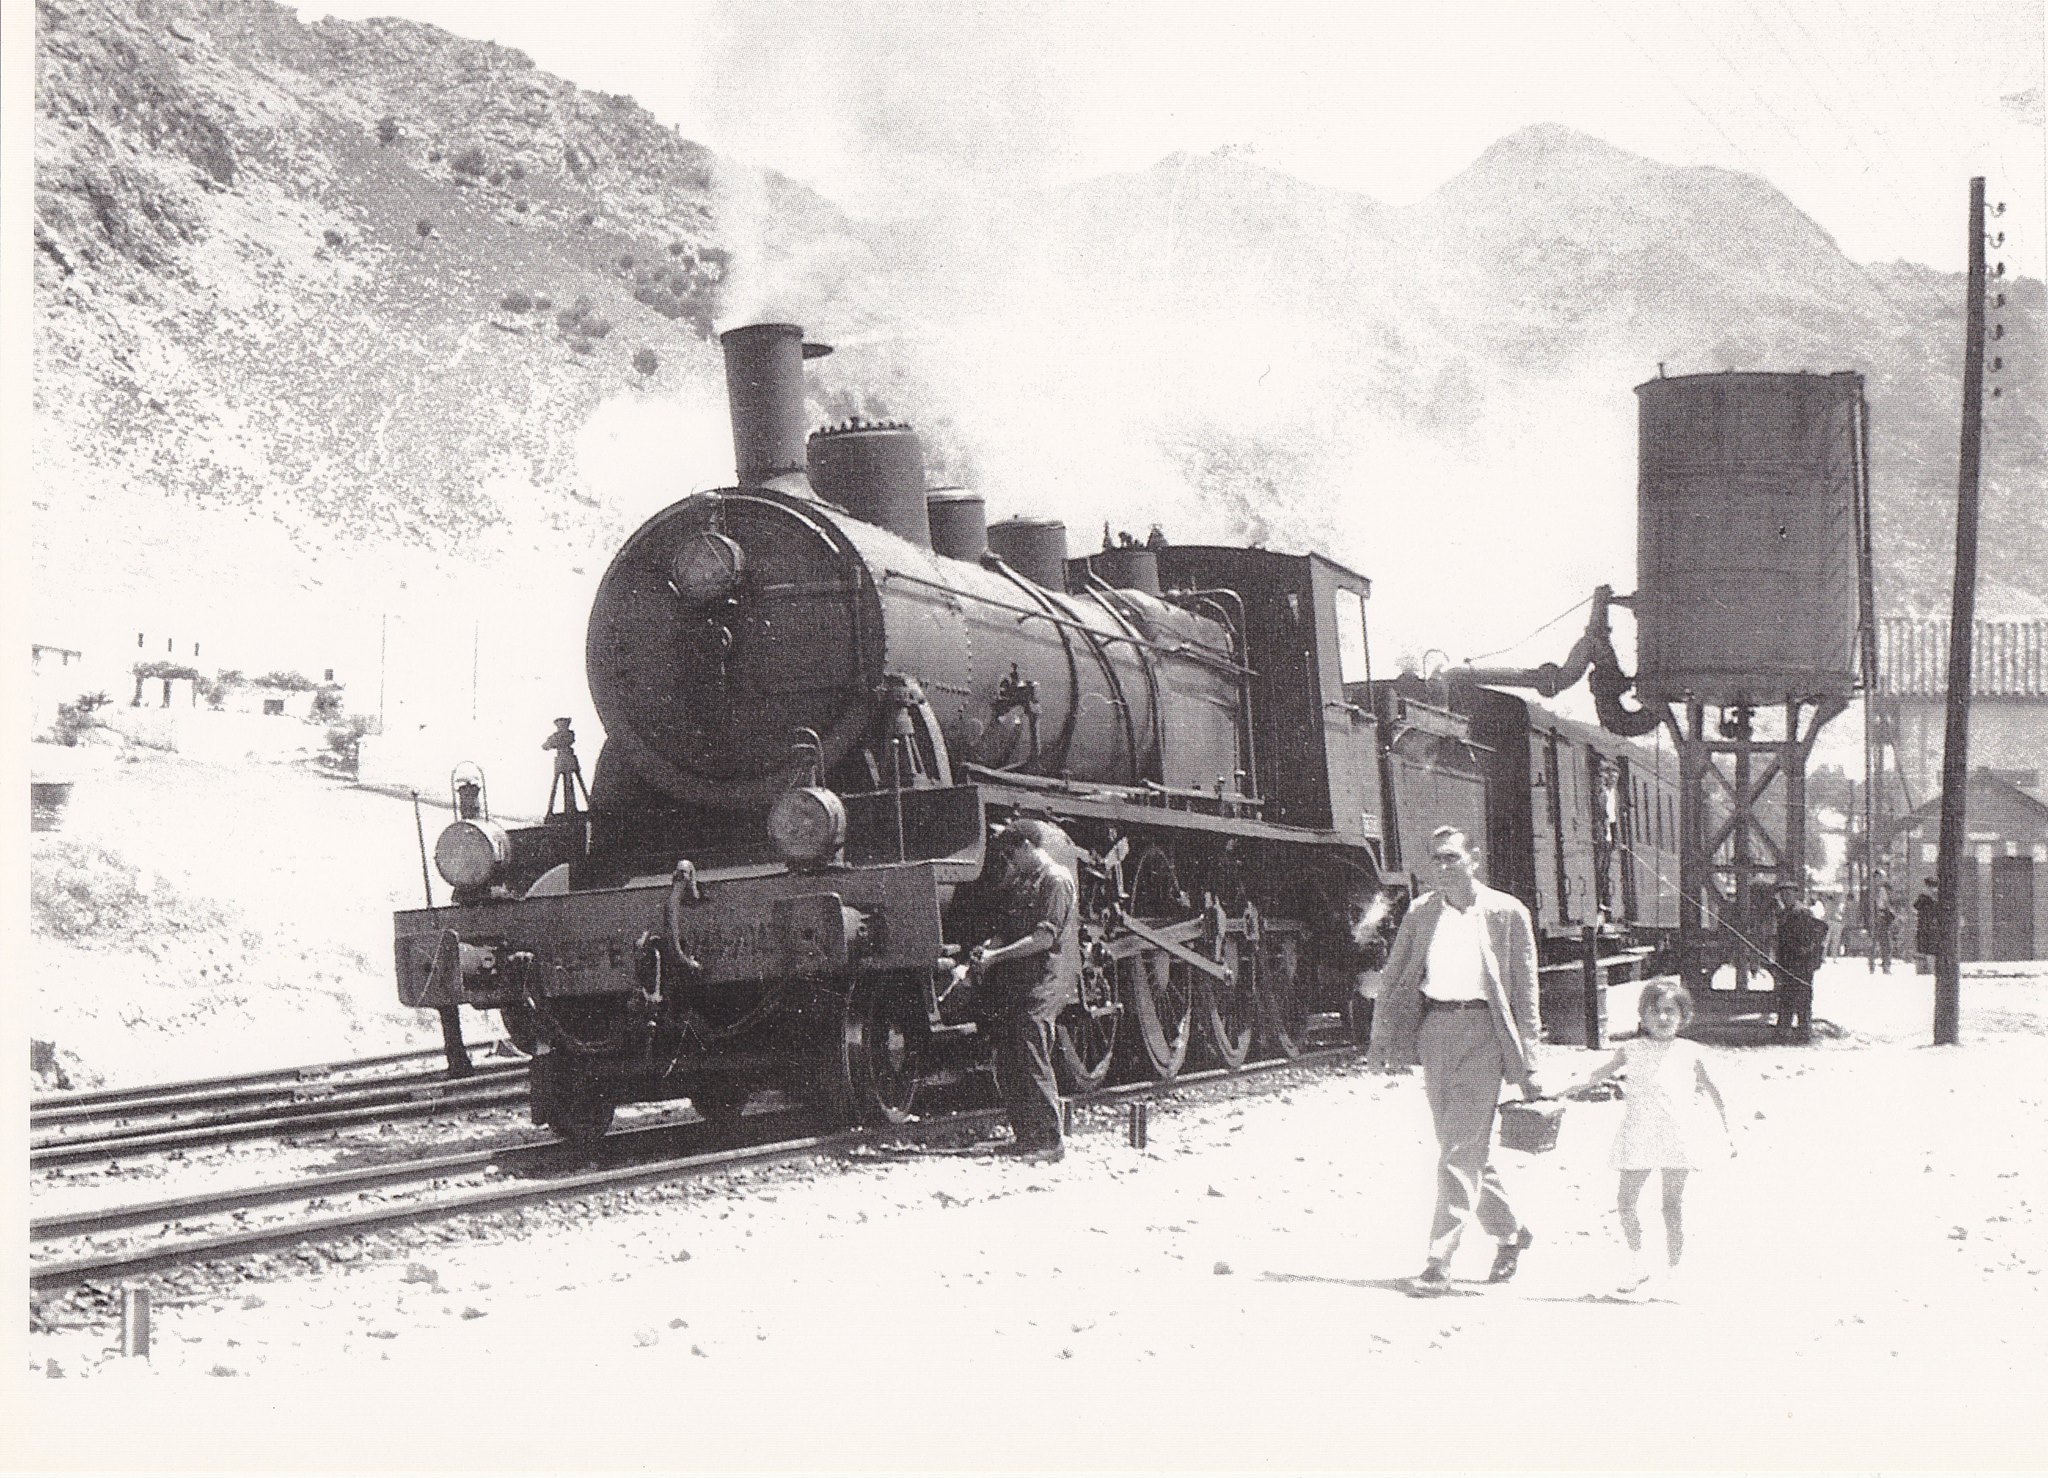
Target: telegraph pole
[(1873, 742), (1955, 748)]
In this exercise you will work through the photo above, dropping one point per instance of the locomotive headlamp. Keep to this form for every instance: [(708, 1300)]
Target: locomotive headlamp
[(807, 824), (707, 567), (470, 853)]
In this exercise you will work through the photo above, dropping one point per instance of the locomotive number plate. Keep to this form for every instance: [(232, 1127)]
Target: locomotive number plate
[(797, 936)]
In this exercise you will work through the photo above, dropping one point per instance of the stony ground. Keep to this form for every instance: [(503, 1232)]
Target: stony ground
[(1864, 1288), (191, 918)]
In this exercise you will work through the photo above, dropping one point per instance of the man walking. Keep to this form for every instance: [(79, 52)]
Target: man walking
[(1032, 974), (1459, 997)]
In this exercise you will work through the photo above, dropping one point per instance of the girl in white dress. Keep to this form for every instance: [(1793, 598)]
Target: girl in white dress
[(1665, 1126)]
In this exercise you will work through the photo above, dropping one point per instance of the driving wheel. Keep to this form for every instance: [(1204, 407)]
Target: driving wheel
[(1283, 998), (1158, 996), (1084, 1037), (1084, 1049), (1227, 1013), (1161, 1001), (882, 1050)]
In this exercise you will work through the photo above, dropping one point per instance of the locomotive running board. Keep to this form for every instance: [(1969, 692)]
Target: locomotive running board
[(1130, 808)]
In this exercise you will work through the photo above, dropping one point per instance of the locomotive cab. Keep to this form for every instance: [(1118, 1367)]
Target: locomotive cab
[(1315, 750)]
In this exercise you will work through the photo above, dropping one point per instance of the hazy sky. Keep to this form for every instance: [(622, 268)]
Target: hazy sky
[(1870, 114)]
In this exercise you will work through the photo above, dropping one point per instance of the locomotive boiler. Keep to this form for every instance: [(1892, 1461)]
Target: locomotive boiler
[(818, 698), (810, 599)]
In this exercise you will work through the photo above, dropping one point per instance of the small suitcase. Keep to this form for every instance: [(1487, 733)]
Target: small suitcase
[(1531, 1124)]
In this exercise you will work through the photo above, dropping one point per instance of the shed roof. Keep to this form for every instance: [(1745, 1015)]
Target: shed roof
[(1992, 801), (2008, 659)]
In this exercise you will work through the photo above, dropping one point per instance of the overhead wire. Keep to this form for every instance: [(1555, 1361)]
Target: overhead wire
[(1924, 299), (1536, 633), (1762, 102), (1886, 179), (1709, 119)]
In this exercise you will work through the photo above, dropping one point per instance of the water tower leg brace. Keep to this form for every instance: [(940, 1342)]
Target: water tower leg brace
[(1742, 835)]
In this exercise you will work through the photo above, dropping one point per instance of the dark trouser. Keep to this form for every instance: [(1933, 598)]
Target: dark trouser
[(1795, 1002), (1461, 1075), (1031, 1094)]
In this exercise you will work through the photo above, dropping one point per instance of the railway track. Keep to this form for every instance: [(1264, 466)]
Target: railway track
[(257, 1106), (538, 1186), (57, 1106)]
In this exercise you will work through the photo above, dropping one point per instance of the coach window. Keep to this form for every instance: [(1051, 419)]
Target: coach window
[(1351, 659)]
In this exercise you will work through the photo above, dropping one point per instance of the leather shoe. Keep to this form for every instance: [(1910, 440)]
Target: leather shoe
[(1509, 1256), (1432, 1282)]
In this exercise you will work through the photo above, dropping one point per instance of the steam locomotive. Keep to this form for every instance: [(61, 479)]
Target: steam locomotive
[(822, 686)]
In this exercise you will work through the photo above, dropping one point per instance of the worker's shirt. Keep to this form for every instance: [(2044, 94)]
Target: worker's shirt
[(1456, 967), (1041, 893)]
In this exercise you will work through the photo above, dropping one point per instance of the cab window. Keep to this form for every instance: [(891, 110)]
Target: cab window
[(1351, 659)]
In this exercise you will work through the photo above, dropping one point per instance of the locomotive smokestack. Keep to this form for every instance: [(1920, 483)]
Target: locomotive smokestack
[(764, 383)]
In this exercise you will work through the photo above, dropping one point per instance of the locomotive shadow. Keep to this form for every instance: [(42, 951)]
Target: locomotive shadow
[(524, 1152)]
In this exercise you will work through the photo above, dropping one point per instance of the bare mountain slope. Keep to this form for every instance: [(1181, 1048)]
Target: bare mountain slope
[(337, 307), (369, 280)]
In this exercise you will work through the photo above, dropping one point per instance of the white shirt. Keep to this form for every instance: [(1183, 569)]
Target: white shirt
[(1455, 970)]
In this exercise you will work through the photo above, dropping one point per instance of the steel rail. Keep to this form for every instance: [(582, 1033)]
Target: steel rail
[(493, 1198), (333, 1183), (502, 1198), (281, 1097), (426, 1102), (52, 1101)]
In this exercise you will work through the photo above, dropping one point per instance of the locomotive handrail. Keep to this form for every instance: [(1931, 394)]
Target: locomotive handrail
[(1240, 644), (1193, 653), (1148, 793), (1235, 798), (1129, 624)]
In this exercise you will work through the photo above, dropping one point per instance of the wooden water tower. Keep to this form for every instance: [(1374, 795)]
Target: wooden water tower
[(1752, 556)]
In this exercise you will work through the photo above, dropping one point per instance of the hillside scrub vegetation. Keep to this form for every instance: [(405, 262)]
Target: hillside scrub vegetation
[(93, 896)]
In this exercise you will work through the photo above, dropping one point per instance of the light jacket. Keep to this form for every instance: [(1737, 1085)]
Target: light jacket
[(1507, 953)]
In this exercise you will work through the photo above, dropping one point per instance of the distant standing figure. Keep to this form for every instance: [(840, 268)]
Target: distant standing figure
[(1459, 996), (1801, 944), (1927, 927), (562, 791), (1885, 923), (1665, 1129), (1033, 972)]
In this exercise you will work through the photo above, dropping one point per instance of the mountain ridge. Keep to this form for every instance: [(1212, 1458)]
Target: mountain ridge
[(372, 292)]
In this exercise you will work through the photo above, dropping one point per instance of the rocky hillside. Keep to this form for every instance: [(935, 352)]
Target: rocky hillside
[(372, 277), (347, 305)]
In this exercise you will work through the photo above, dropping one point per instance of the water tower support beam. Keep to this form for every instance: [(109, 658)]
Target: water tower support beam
[(1731, 864)]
